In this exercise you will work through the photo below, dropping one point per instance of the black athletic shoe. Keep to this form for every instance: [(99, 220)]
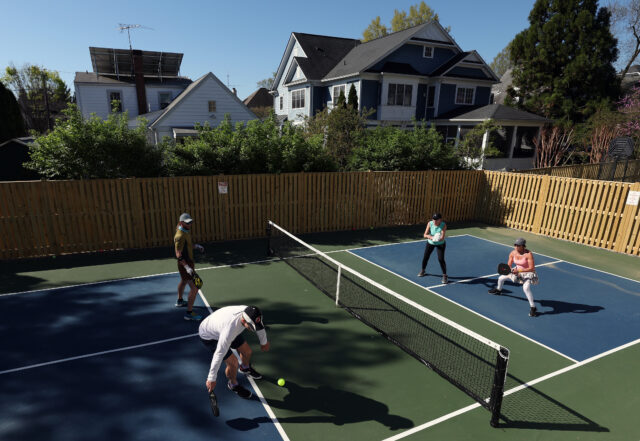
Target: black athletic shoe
[(251, 372), (495, 291), (181, 302), (240, 391), (422, 274), (533, 312)]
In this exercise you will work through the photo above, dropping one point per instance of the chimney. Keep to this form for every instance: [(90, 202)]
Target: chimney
[(235, 92), (138, 74)]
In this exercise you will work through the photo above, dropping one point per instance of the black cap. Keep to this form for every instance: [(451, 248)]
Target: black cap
[(253, 316), (436, 216), (520, 242)]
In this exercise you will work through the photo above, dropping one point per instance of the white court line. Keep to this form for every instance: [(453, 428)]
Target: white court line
[(485, 277), (509, 392), (129, 278), (267, 408), (94, 354), (566, 261), (470, 310)]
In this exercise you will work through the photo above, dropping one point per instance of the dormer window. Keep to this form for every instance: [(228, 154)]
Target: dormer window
[(427, 52)]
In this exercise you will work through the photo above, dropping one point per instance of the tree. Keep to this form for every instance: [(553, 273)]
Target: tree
[(374, 30), (11, 123), (553, 146), (629, 107), (79, 148), (418, 14), (563, 62), (353, 98), (342, 101), (502, 62), (625, 23), (267, 83), (42, 95)]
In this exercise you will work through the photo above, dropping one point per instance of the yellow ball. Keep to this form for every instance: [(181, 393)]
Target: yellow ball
[(281, 382)]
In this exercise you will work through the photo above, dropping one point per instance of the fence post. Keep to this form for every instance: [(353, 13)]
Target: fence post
[(543, 195), (624, 236)]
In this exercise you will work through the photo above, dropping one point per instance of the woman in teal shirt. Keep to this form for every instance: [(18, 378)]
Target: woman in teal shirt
[(434, 233)]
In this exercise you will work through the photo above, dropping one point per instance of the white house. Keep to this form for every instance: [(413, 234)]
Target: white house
[(206, 100), (148, 84)]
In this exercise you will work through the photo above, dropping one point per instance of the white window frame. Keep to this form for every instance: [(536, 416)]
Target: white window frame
[(473, 95), (298, 99), (404, 86), (342, 88), (119, 92), (424, 51)]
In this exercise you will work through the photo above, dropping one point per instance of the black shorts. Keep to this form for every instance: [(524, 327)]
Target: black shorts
[(213, 344)]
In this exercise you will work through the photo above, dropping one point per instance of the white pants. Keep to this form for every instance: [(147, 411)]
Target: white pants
[(526, 286)]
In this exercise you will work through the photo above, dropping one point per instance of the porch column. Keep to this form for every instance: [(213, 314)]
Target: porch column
[(514, 137), (485, 141), (458, 136)]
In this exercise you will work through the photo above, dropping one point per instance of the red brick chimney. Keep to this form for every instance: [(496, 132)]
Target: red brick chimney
[(138, 74)]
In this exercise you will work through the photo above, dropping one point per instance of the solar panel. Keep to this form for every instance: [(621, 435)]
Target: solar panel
[(109, 61)]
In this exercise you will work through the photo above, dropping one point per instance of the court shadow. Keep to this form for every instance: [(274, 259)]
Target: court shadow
[(552, 307), (342, 407), (532, 409)]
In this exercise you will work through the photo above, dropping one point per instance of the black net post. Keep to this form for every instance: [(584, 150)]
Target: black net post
[(495, 402)]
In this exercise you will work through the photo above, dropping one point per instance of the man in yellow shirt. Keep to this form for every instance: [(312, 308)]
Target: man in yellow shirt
[(184, 253)]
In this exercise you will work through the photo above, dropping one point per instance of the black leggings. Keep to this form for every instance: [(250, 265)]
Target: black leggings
[(427, 253)]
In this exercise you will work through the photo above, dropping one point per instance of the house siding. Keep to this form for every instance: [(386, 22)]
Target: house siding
[(369, 97), (285, 92), (447, 98), (153, 95), (195, 108), (468, 72), (93, 98), (412, 54)]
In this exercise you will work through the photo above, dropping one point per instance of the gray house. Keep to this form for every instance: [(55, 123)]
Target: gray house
[(149, 84), (419, 73)]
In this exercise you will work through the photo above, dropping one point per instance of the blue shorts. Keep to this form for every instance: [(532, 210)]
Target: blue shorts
[(213, 344)]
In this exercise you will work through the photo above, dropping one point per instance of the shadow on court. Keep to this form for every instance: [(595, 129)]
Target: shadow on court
[(551, 307), (342, 407), (533, 409)]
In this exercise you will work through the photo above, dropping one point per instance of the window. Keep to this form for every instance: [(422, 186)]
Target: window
[(464, 95), (164, 98), (212, 106), (115, 95), (281, 102), (448, 133), (297, 99), (399, 95), (336, 93), (501, 140), (431, 97), (427, 52)]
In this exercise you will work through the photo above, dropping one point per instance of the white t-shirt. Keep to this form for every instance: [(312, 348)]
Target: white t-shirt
[(224, 325)]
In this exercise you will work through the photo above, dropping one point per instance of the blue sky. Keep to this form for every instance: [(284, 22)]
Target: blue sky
[(241, 39)]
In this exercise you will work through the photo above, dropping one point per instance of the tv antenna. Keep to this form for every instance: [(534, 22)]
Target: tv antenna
[(127, 27)]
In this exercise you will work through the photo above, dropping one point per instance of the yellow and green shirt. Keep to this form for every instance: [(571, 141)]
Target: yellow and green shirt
[(181, 240)]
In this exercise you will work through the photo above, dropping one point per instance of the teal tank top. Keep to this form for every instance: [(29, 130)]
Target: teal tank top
[(433, 230)]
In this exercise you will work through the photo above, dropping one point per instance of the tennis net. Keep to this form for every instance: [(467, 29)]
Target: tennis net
[(473, 363)]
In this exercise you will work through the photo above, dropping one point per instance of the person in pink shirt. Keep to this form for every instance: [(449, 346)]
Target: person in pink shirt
[(524, 272)]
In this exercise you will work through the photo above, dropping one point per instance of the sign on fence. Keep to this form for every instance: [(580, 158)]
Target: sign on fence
[(633, 198), (223, 188)]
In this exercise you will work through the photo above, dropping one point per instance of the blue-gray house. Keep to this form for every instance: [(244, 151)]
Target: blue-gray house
[(419, 73)]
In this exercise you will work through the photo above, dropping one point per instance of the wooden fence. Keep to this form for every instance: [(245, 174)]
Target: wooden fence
[(624, 171), (40, 218)]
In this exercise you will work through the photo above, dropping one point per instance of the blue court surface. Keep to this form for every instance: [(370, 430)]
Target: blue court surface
[(70, 371), (583, 312)]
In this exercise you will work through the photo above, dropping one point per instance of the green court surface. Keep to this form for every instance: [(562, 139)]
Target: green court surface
[(346, 382)]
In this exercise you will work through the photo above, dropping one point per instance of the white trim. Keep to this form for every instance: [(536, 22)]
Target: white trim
[(424, 49), (109, 92)]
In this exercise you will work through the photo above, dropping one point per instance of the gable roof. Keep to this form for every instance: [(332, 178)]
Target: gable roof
[(161, 114), (449, 64), (497, 112), (322, 53), (259, 98), (366, 54)]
